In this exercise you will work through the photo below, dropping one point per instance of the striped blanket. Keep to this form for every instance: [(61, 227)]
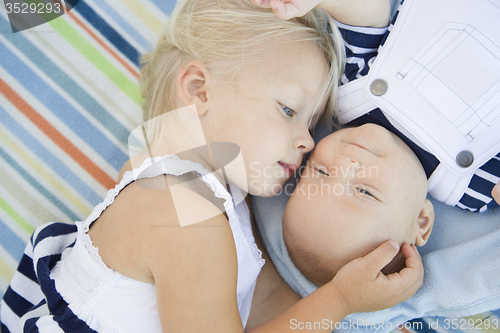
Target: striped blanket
[(69, 98)]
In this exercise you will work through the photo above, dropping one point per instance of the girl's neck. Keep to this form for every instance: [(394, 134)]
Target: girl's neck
[(178, 132)]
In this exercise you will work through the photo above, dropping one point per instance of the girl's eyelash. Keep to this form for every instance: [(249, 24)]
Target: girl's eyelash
[(289, 112)]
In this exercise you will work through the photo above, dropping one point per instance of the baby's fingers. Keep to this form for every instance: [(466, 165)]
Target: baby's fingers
[(262, 3), (495, 193), (285, 10)]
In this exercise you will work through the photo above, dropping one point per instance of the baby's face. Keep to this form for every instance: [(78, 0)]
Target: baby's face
[(361, 187)]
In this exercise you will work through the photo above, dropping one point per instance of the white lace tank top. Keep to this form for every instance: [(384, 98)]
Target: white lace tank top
[(111, 302)]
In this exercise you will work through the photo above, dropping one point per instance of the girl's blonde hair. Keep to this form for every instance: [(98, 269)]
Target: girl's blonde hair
[(225, 35)]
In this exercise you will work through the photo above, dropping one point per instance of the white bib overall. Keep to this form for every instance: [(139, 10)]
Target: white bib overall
[(437, 79)]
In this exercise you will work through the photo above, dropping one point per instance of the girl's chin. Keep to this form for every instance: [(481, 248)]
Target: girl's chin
[(266, 188)]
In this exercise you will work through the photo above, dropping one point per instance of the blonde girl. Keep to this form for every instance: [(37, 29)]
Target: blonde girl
[(156, 256)]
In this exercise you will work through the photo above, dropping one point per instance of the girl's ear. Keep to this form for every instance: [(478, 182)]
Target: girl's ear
[(425, 222), (192, 85)]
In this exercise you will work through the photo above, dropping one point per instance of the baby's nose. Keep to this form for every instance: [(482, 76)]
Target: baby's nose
[(347, 162)]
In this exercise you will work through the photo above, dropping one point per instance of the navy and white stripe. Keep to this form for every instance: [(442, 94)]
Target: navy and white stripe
[(32, 303), (477, 197), (362, 46)]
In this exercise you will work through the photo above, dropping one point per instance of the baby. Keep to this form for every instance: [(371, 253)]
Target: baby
[(361, 186)]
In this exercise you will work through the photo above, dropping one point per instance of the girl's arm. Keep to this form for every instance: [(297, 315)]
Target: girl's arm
[(195, 272), (358, 287), (272, 295), (363, 13), (194, 267)]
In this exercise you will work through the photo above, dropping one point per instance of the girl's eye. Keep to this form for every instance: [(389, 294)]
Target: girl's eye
[(289, 112), (363, 191)]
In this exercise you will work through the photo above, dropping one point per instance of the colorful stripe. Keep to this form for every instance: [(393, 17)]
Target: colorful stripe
[(109, 33), (97, 59), (48, 157), (11, 242), (144, 15), (13, 214), (58, 105), (27, 200), (57, 113), (37, 186), (6, 274), (63, 80), (128, 28), (56, 136)]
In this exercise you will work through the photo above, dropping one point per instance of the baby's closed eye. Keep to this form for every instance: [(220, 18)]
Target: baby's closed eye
[(363, 191), (323, 172)]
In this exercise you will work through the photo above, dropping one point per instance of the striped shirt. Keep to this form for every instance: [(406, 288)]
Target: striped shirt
[(32, 292), (362, 45)]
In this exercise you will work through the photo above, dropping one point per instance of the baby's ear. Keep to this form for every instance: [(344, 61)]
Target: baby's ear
[(425, 222)]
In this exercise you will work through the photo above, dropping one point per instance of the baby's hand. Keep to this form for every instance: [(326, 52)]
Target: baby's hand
[(364, 288), (496, 193), (364, 13), (287, 9)]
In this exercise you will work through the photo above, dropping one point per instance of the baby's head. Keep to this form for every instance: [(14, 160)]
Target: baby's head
[(361, 187)]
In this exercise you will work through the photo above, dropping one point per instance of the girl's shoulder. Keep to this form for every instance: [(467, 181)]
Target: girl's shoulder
[(191, 265), (157, 220)]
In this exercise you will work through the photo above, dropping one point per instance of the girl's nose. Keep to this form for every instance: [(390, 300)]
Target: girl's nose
[(304, 143)]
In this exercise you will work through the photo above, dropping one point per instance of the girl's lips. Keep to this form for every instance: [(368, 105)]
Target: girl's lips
[(288, 167)]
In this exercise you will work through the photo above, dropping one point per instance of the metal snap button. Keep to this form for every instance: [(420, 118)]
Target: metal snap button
[(465, 159), (378, 87)]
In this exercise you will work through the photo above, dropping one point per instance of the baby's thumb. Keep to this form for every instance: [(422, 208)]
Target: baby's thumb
[(381, 256), (496, 193)]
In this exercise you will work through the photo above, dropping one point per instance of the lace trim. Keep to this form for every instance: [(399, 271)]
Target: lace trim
[(246, 226), (185, 166), (128, 177), (92, 250), (256, 252)]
